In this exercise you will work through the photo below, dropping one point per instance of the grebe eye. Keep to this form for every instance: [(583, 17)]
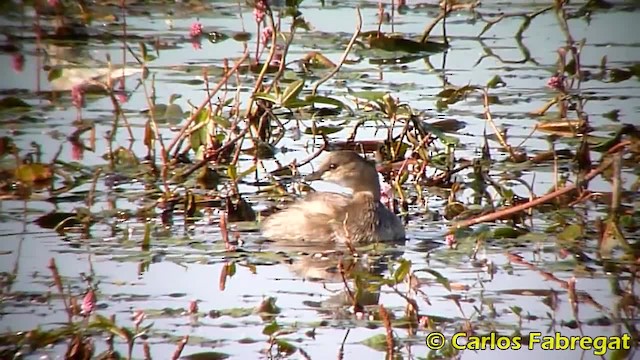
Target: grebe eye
[(332, 166)]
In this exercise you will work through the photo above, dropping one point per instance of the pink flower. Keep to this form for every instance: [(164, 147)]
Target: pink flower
[(260, 10), (88, 303), (17, 62), (138, 317), (386, 195), (77, 151), (196, 29), (266, 35), (53, 3), (193, 307), (451, 241), (556, 82), (77, 95)]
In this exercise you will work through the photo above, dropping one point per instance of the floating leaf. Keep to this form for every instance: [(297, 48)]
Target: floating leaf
[(316, 99), (12, 102), (405, 45), (242, 36), (209, 355), (368, 95), (377, 342), (322, 130)]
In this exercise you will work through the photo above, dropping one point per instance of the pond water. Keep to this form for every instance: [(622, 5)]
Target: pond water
[(136, 262)]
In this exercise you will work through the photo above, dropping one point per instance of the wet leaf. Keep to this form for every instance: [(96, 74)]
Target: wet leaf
[(242, 36), (405, 45)]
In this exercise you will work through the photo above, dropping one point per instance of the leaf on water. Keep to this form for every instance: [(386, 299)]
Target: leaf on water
[(368, 95), (32, 173), (322, 130), (377, 342), (571, 233), (507, 233), (316, 99), (12, 102), (393, 43), (242, 36), (53, 219), (217, 37), (209, 355)]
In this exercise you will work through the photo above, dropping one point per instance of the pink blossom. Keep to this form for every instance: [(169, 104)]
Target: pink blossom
[(77, 95), (386, 195), (196, 29), (77, 151), (54, 3), (266, 35), (556, 82), (138, 317), (17, 62), (193, 307), (88, 303), (451, 241), (260, 10)]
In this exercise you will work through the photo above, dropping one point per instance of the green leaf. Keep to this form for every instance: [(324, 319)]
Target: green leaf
[(292, 91), (368, 95), (54, 74), (271, 328), (376, 342), (250, 170), (232, 172), (208, 355), (266, 97), (222, 121), (402, 271), (325, 100), (439, 278), (495, 81), (324, 130)]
